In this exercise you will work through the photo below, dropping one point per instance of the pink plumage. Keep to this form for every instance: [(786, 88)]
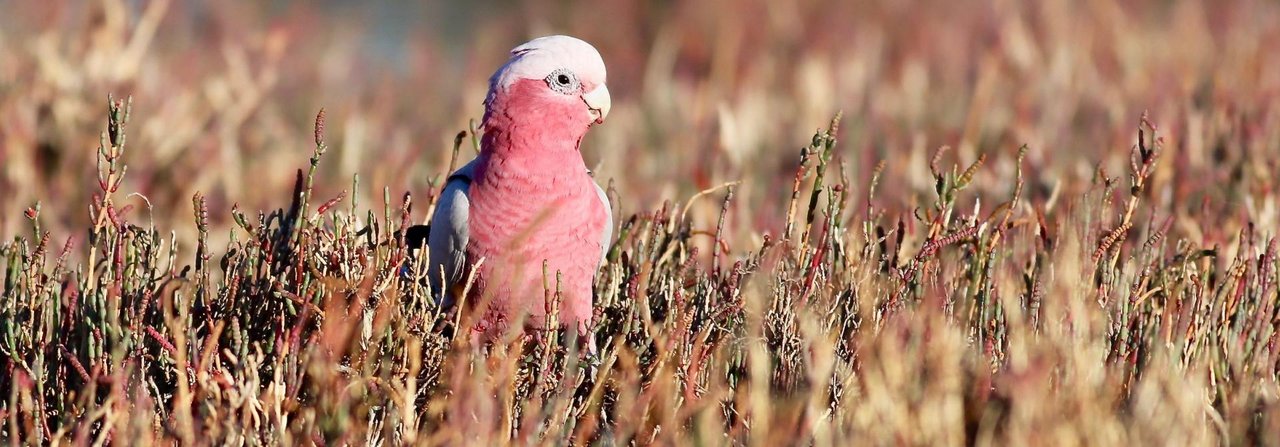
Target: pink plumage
[(528, 198)]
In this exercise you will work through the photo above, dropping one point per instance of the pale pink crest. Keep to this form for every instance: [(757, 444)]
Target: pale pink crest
[(539, 57)]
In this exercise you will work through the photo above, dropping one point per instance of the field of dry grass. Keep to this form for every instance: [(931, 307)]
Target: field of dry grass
[(1030, 223)]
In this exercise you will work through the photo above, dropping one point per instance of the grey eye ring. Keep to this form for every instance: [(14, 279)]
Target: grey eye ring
[(563, 81)]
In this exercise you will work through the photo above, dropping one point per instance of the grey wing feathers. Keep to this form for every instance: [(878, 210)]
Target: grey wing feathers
[(447, 240), (606, 239)]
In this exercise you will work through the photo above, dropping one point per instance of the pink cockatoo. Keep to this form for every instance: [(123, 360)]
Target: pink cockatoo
[(528, 198)]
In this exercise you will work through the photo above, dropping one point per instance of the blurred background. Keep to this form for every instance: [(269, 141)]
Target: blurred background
[(705, 92)]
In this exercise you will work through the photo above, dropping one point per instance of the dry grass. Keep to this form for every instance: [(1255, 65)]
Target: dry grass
[(1048, 223)]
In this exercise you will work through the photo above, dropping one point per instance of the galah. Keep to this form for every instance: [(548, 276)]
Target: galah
[(528, 201)]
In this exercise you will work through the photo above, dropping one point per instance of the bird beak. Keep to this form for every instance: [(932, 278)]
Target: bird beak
[(598, 101)]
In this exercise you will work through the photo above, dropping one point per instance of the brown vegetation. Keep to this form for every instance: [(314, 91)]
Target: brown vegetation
[(1048, 223)]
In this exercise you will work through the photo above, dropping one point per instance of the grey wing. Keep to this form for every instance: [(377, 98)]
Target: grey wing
[(606, 239), (447, 240)]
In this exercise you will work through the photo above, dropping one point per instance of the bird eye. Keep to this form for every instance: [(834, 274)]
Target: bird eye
[(563, 81)]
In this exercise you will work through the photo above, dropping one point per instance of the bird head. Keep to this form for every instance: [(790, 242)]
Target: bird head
[(556, 81)]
